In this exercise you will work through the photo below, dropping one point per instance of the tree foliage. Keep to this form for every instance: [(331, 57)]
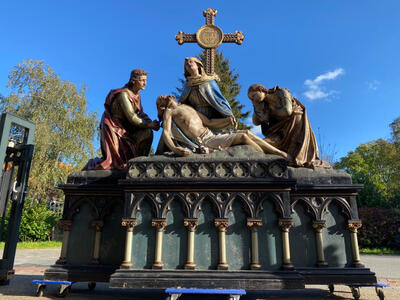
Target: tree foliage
[(228, 85), (65, 128), (376, 165)]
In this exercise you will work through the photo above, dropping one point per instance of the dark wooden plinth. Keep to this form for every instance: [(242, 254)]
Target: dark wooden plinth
[(346, 276), (83, 273), (248, 280)]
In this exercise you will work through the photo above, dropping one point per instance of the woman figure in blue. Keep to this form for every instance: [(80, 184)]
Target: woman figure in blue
[(201, 91)]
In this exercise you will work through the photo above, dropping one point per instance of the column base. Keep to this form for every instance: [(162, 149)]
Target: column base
[(157, 266), (287, 266), (95, 261), (357, 264), (223, 266), (61, 261), (190, 266), (126, 265), (322, 264), (255, 266)]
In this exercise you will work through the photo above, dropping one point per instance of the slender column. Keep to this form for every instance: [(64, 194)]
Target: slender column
[(318, 226), (285, 225), (129, 224), (98, 225), (253, 224), (191, 225), (353, 226), (159, 224), (66, 226), (222, 224)]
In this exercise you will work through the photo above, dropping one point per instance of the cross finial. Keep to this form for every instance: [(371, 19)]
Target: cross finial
[(209, 37)]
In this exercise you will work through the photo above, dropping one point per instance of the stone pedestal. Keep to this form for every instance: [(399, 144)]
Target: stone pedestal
[(230, 219)]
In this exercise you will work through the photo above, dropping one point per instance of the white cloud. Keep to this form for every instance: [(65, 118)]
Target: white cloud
[(315, 86), (373, 85)]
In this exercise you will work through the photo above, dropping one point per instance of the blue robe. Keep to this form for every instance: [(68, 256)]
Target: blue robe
[(207, 99)]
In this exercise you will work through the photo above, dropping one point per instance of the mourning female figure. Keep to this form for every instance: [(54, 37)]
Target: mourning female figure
[(285, 125)]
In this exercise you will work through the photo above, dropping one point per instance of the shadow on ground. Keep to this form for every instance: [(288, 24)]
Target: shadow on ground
[(21, 287)]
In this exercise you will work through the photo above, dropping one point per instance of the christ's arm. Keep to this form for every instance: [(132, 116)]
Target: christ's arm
[(167, 121), (218, 123)]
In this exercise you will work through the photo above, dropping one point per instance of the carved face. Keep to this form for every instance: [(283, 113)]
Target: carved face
[(140, 82), (191, 67), (162, 103), (256, 96)]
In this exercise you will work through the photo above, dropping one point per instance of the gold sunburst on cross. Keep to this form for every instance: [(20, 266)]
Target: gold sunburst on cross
[(209, 37)]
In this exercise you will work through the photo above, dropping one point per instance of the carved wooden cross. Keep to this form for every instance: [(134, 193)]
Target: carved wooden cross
[(209, 37)]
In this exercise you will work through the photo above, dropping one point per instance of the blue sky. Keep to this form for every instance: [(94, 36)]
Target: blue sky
[(339, 58)]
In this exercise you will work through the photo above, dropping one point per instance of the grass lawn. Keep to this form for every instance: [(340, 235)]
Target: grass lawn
[(379, 251), (35, 245)]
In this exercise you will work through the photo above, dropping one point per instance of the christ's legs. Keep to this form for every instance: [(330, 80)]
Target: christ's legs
[(267, 148), (244, 139)]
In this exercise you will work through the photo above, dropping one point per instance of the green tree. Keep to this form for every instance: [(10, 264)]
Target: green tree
[(65, 129), (376, 165), (228, 85)]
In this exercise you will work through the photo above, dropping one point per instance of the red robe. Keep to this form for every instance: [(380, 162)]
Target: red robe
[(118, 145)]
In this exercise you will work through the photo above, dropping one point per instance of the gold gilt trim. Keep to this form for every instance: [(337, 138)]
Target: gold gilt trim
[(66, 224), (221, 224), (353, 226), (254, 223), (191, 224), (159, 223), (319, 225), (286, 224), (98, 224), (130, 223)]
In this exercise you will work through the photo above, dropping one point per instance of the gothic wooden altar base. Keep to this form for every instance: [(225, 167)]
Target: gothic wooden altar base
[(231, 219)]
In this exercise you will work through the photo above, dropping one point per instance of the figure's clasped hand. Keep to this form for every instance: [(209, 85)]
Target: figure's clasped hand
[(233, 122), (155, 125)]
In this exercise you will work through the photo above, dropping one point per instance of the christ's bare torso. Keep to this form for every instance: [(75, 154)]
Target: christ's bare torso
[(188, 120)]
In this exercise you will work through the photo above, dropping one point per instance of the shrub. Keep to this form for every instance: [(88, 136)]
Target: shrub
[(36, 222), (379, 227)]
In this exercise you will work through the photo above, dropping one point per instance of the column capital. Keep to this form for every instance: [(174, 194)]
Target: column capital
[(66, 224), (98, 224), (129, 223), (254, 223), (159, 223), (285, 224), (221, 224), (318, 225), (354, 225), (191, 224)]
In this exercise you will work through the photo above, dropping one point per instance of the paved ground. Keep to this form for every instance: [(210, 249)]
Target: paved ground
[(30, 265)]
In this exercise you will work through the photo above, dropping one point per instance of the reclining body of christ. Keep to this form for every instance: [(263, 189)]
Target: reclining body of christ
[(194, 127)]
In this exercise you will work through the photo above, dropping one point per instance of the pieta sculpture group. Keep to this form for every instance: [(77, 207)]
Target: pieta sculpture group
[(198, 122)]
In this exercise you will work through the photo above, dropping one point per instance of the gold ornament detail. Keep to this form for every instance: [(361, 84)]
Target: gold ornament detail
[(221, 224), (159, 223), (354, 225), (191, 224), (285, 224)]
